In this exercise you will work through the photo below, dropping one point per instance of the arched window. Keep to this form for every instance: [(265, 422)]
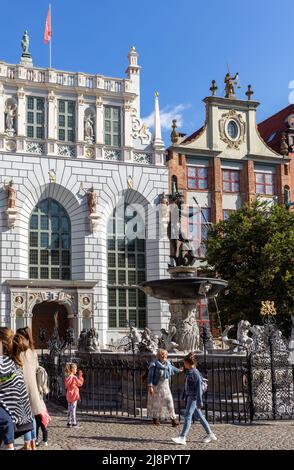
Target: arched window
[(49, 242), (126, 268)]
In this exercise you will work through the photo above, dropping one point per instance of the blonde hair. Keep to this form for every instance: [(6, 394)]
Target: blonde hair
[(69, 368), (161, 352)]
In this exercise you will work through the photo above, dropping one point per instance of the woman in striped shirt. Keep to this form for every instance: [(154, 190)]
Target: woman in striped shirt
[(14, 401)]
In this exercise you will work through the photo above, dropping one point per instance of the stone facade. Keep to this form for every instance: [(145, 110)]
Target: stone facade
[(64, 172)]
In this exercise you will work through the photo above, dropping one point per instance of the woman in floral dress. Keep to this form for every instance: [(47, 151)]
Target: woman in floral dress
[(160, 405)]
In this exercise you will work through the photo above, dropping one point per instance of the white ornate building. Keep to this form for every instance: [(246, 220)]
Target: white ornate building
[(65, 137)]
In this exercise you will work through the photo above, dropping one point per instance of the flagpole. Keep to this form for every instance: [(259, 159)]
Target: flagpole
[(50, 42)]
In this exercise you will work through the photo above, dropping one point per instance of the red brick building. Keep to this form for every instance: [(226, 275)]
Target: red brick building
[(278, 132), (225, 164)]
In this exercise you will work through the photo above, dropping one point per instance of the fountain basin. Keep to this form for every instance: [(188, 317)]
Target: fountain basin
[(183, 289)]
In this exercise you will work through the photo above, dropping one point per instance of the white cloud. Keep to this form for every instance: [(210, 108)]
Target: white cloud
[(167, 114)]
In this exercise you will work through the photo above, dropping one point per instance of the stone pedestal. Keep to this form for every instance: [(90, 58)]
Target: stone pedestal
[(94, 219), (11, 217), (26, 59)]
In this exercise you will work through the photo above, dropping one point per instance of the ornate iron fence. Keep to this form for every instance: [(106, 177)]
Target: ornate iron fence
[(114, 386)]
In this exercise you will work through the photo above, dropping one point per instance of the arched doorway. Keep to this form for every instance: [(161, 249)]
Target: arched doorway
[(43, 316)]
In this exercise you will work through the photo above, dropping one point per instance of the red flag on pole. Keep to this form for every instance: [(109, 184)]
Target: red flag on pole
[(48, 32)]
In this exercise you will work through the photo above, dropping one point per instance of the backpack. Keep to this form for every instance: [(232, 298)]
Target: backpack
[(42, 381), (204, 384)]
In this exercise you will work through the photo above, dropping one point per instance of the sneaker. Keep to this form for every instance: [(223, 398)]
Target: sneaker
[(69, 425), (77, 425), (209, 437), (37, 443), (43, 444), (179, 440)]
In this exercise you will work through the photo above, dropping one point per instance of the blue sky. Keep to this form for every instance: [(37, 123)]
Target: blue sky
[(183, 45)]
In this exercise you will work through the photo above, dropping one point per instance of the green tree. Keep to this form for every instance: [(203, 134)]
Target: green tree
[(254, 251)]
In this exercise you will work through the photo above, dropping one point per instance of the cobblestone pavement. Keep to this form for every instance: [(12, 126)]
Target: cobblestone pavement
[(108, 433)]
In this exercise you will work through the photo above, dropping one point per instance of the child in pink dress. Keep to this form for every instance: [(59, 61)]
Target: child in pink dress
[(72, 384)]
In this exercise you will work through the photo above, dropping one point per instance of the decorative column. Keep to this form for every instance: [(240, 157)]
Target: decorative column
[(158, 144), (2, 109), (216, 190), (128, 141), (99, 131), (51, 122), (21, 118), (80, 126)]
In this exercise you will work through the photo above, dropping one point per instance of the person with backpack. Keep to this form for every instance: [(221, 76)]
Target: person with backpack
[(15, 411), (195, 386), (160, 404)]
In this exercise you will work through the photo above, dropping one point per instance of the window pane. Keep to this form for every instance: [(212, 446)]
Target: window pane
[(61, 120), (55, 223), (107, 139), (30, 102), (61, 134), (65, 224), (202, 184), (55, 257), (226, 186), (65, 274), (259, 177), (34, 222), (122, 299), (65, 258), (30, 116), (132, 277), (132, 298), (44, 222), (111, 260), (235, 187), (202, 172), (121, 277), (40, 118), (54, 273), (131, 260), (235, 175), (192, 183), (54, 208), (44, 273), (30, 131), (142, 319), (55, 241), (44, 240), (39, 133), (269, 190), (34, 273), (122, 322), (61, 106), (116, 141), (40, 104), (112, 319), (107, 112), (111, 276), (269, 178), (260, 188), (44, 257), (33, 256), (112, 297), (191, 171), (33, 239), (44, 207)]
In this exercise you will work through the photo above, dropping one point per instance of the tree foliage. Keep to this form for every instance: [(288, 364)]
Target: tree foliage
[(254, 251)]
